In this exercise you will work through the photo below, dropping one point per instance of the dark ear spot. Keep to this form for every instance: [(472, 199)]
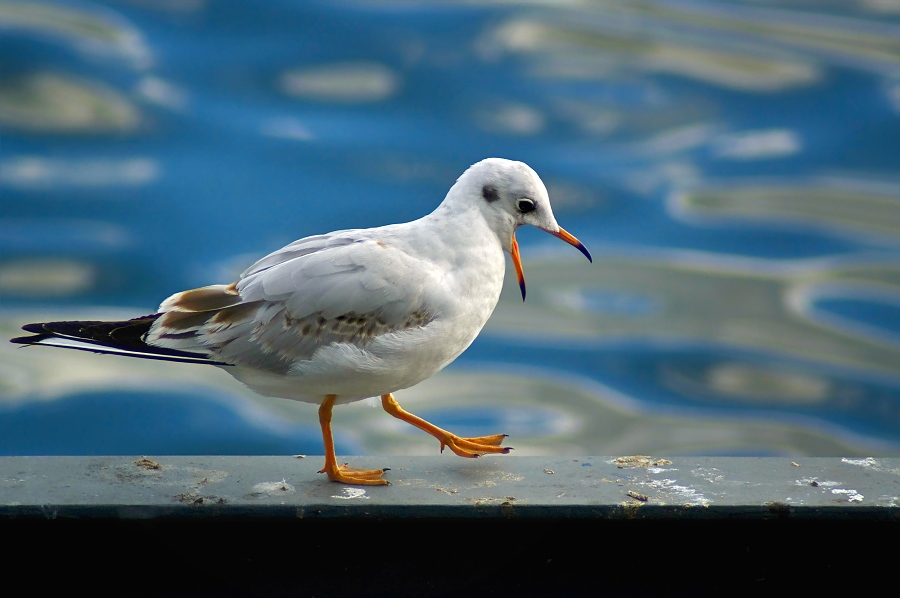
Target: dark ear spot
[(490, 193)]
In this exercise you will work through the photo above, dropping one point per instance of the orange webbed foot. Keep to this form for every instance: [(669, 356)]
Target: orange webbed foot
[(343, 473), (464, 447), (346, 474), (472, 447)]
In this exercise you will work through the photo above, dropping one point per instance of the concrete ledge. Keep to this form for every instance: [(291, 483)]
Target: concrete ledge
[(502, 525), (446, 486)]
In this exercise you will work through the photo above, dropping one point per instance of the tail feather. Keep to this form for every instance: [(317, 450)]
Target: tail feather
[(124, 337)]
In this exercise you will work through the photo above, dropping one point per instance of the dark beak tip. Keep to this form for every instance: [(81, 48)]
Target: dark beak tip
[(586, 253)]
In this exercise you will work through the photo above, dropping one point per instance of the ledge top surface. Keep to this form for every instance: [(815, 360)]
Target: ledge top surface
[(631, 487)]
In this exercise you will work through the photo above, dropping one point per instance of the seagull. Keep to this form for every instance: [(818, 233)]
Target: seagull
[(353, 314)]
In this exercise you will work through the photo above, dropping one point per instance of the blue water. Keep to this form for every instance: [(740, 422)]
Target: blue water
[(733, 167)]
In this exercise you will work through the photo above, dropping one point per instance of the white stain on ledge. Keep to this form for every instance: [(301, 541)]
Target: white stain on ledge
[(351, 493), (659, 469), (816, 483), (689, 495), (852, 495), (867, 462), (710, 474), (832, 486), (873, 464)]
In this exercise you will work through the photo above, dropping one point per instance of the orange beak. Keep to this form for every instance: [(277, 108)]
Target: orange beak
[(562, 234)]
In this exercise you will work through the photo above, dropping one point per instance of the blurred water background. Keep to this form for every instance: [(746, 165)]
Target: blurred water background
[(734, 167)]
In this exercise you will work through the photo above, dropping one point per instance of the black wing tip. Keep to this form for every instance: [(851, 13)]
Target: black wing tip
[(29, 340), (39, 333), (36, 328), (99, 337), (159, 354)]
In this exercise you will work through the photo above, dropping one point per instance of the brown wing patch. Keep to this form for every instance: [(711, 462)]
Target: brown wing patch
[(236, 314), (298, 338), (209, 298), (179, 321), (353, 327), (264, 334)]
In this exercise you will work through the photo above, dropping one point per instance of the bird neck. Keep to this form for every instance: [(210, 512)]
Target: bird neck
[(465, 219)]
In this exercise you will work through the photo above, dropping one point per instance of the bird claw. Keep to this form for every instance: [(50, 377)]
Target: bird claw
[(474, 447)]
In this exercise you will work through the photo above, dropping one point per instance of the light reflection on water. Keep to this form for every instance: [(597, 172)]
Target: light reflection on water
[(731, 165)]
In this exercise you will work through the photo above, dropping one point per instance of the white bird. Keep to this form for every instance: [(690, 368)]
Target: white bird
[(352, 314)]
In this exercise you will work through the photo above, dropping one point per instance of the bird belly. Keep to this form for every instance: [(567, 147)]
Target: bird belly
[(391, 363), (395, 360)]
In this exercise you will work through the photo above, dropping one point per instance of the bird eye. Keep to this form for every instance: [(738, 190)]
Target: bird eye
[(525, 205)]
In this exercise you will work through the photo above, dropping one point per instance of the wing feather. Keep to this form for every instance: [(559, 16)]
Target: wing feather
[(348, 287)]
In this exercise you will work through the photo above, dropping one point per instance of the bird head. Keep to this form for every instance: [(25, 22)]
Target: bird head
[(509, 194)]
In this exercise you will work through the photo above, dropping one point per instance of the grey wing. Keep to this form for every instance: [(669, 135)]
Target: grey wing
[(350, 288), (305, 246)]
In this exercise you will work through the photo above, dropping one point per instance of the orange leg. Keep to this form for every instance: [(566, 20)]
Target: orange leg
[(464, 447), (344, 473)]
